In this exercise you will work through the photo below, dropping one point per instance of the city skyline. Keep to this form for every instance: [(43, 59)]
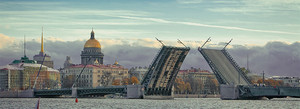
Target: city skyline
[(127, 29)]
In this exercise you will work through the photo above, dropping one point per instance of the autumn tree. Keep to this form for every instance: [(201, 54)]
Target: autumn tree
[(126, 81), (187, 87), (134, 80), (212, 84), (270, 82), (179, 85), (116, 82)]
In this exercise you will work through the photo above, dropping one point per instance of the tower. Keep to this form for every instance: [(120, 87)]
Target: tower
[(68, 62), (92, 51), (39, 57)]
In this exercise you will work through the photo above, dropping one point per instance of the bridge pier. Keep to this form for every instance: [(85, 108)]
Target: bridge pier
[(135, 91), (74, 92), (229, 92)]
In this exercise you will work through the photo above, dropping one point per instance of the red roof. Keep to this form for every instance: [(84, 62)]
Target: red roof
[(4, 69)]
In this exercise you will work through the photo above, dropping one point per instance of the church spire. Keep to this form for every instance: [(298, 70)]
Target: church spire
[(92, 34), (42, 42)]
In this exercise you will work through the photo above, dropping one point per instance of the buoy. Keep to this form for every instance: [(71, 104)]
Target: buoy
[(76, 100)]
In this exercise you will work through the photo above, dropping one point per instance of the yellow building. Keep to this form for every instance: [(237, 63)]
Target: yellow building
[(92, 75)]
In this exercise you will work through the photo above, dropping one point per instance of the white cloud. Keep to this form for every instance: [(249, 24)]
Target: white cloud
[(206, 25), (6, 40), (189, 1), (258, 6)]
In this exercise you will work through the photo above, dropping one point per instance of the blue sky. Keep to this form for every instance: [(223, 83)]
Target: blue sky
[(246, 21)]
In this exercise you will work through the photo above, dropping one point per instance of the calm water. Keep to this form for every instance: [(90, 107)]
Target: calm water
[(178, 103)]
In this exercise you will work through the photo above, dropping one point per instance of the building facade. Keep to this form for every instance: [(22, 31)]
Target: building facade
[(201, 81), (21, 75), (93, 75), (92, 51), (288, 81), (138, 72)]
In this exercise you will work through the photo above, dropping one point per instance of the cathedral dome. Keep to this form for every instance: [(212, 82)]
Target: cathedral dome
[(92, 42)]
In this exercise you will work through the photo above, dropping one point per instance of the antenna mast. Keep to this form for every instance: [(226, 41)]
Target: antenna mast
[(24, 46), (227, 44), (160, 41), (181, 43), (208, 40)]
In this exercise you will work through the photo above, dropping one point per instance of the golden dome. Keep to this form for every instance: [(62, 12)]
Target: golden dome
[(116, 63), (92, 43)]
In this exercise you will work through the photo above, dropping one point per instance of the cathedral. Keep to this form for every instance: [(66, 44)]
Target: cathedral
[(91, 53)]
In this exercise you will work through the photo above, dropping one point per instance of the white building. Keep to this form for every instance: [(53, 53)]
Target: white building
[(289, 81), (138, 72)]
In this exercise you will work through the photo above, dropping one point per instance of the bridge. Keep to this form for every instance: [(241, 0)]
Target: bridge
[(224, 67), (162, 73), (234, 83), (81, 92), (157, 81)]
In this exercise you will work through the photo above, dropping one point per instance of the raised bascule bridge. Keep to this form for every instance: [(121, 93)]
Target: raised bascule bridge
[(157, 82), (234, 83)]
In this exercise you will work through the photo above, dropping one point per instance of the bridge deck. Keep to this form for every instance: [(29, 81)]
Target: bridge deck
[(162, 72), (226, 70)]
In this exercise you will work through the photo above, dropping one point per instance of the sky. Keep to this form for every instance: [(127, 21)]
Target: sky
[(126, 28)]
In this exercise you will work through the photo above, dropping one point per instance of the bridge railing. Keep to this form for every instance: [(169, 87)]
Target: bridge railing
[(237, 67), (216, 71)]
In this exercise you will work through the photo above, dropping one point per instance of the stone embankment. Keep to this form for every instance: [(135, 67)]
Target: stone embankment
[(17, 94)]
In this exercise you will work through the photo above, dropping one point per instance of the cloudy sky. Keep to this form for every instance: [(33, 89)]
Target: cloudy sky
[(267, 31)]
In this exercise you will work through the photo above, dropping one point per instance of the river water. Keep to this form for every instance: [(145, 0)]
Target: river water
[(177, 103)]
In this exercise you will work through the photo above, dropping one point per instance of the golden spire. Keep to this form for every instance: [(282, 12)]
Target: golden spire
[(42, 42)]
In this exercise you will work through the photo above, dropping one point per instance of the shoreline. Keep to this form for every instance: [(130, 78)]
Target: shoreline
[(195, 96)]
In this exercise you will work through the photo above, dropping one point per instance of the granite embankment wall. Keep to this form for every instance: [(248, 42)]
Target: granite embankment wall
[(17, 94)]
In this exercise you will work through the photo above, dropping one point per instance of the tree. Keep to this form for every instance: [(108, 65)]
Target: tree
[(188, 87), (68, 81), (270, 82), (126, 81), (196, 85), (116, 82), (179, 85), (212, 84), (245, 70), (134, 80)]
